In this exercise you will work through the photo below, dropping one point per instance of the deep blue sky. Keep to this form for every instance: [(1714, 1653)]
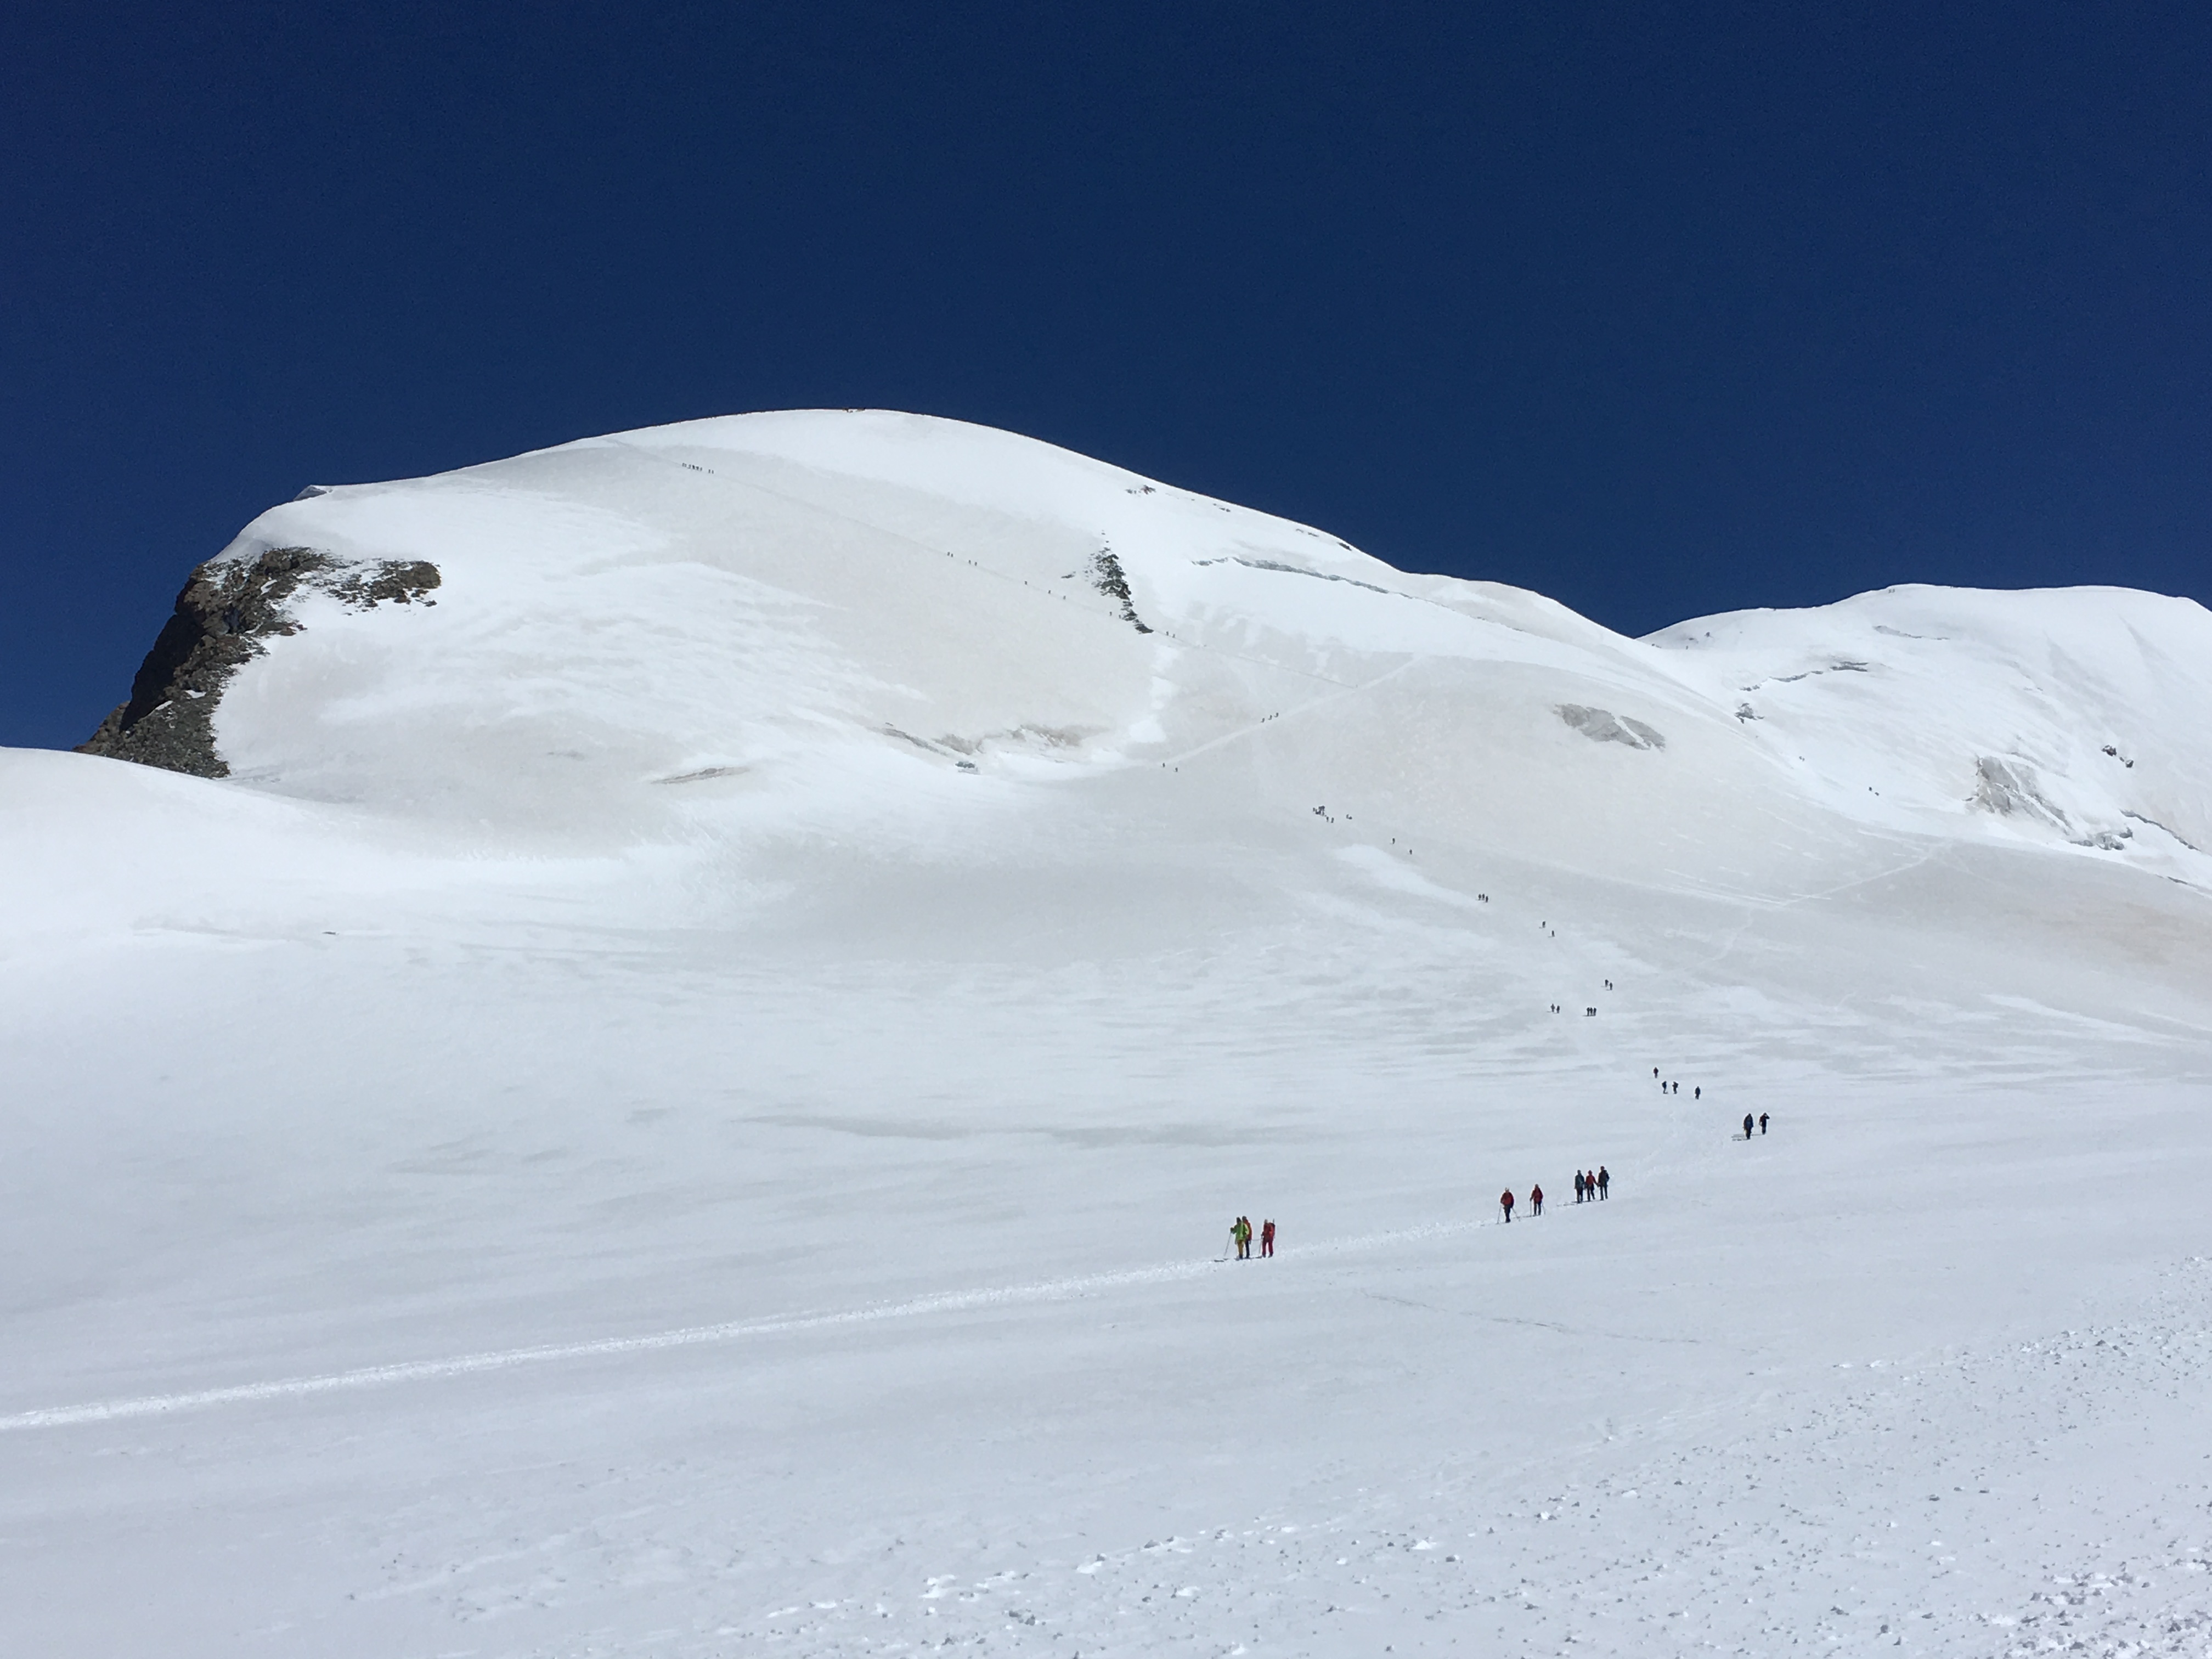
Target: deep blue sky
[(1659, 309)]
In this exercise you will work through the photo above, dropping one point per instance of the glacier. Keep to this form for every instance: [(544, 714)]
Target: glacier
[(683, 1091)]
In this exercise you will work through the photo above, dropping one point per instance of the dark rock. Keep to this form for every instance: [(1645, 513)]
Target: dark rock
[(225, 611), (1108, 577)]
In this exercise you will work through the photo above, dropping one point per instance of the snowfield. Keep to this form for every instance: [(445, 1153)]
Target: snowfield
[(685, 1095)]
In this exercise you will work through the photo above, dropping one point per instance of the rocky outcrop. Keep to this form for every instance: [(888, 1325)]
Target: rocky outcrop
[(227, 608), (1109, 579)]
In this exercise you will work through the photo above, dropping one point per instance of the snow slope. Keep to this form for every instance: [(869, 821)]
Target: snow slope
[(683, 1098)]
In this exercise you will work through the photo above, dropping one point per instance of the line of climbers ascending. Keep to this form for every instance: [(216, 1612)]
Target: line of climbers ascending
[(1589, 1188), (1750, 1124)]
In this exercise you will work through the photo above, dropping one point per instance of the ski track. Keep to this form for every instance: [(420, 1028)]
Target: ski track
[(424, 1371), (1885, 1528)]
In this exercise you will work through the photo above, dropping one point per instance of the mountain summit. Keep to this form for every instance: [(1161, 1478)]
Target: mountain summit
[(715, 610)]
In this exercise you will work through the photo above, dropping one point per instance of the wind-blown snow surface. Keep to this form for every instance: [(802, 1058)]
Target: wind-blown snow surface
[(682, 1100)]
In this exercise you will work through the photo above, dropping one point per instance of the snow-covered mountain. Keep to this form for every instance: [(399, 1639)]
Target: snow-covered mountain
[(789, 937), (739, 603)]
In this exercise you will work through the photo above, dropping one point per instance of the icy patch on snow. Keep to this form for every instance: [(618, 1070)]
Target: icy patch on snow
[(1602, 726)]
